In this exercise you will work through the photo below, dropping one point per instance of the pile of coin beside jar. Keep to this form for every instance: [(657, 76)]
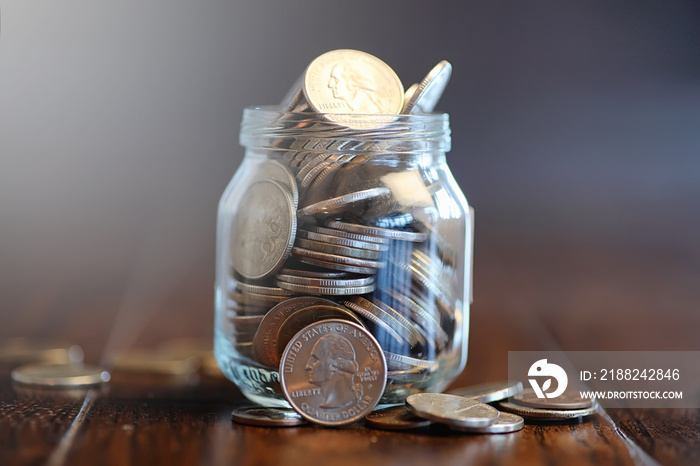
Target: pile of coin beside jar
[(490, 408), (313, 240)]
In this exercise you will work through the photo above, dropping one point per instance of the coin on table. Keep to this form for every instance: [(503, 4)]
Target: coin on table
[(545, 414), (567, 400), (426, 96), (265, 344), (155, 362), (505, 423), (16, 351), (395, 418), (451, 409), (344, 202), (267, 417), (491, 391), (263, 230), (333, 372), (60, 375), (349, 81)]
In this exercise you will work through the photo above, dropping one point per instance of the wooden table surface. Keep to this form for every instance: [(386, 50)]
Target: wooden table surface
[(530, 294)]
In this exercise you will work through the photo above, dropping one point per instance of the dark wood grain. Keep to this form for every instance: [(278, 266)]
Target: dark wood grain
[(528, 295)]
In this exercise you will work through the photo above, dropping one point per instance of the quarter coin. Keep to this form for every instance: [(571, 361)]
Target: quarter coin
[(338, 250), (263, 230), (488, 392), (451, 410), (267, 417), (327, 290), (339, 203), (60, 375), (378, 231), (567, 400), (426, 96), (395, 418), (333, 372), (349, 81)]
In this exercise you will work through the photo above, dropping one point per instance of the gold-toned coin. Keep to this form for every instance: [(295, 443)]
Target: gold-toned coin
[(352, 82), (60, 375)]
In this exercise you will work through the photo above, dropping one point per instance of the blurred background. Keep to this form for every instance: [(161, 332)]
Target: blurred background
[(576, 136)]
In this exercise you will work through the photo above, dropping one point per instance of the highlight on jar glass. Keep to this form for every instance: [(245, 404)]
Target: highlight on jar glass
[(344, 244)]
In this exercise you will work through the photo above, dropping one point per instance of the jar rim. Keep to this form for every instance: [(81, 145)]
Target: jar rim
[(271, 128)]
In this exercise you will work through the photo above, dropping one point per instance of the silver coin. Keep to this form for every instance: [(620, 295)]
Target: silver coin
[(377, 231), (337, 266), (60, 375), (322, 256), (333, 372), (429, 90), (382, 242), (275, 171), (505, 423), (337, 250), (424, 319), (314, 274), (257, 299), (390, 317), (340, 241), (334, 282), (451, 410), (338, 204), (267, 417), (328, 290), (376, 320), (567, 400), (263, 230), (400, 362), (408, 95), (262, 290), (395, 418), (545, 414), (265, 343), (489, 392)]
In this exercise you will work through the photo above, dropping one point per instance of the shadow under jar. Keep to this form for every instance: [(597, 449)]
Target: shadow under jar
[(357, 217)]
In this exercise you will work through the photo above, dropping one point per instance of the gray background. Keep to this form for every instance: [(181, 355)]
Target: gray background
[(573, 122)]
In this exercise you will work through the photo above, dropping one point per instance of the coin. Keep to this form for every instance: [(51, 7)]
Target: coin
[(337, 266), (275, 171), (488, 392), (340, 241), (390, 317), (338, 250), (567, 400), (265, 340), (451, 410), (395, 418), (426, 96), (154, 362), (334, 282), (314, 273), (335, 258), (339, 203), (545, 414), (401, 362), (267, 417), (376, 320), (504, 423), (307, 316), (381, 242), (349, 81), (263, 290), (328, 290), (263, 230), (377, 231), (17, 351), (333, 372), (60, 375)]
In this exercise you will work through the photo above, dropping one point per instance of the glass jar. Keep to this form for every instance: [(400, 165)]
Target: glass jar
[(357, 216)]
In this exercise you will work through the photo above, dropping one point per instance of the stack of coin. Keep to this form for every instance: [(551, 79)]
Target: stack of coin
[(569, 405), (318, 235)]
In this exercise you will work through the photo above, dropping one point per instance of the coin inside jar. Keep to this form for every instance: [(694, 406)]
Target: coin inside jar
[(333, 372)]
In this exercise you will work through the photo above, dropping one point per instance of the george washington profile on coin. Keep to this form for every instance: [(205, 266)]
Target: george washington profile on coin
[(332, 366), (348, 83)]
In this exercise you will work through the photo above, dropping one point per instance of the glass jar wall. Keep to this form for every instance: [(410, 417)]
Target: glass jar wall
[(357, 217)]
